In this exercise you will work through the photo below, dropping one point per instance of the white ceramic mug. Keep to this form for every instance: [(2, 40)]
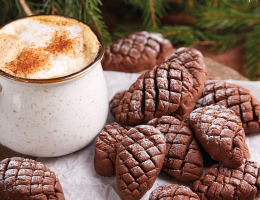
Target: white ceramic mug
[(53, 117)]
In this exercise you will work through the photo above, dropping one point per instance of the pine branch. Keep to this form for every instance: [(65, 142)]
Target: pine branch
[(215, 3), (4, 12), (122, 30), (173, 1), (26, 8), (191, 4), (92, 10), (184, 35), (153, 14), (230, 20), (252, 49), (247, 6), (152, 11), (189, 36), (222, 43), (54, 10), (91, 14)]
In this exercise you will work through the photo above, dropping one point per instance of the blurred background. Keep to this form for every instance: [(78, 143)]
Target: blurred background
[(227, 31)]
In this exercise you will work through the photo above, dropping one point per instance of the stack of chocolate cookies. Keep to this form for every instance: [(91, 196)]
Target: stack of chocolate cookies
[(164, 121)]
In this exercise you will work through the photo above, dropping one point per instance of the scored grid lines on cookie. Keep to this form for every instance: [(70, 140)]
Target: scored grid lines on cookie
[(172, 192), (231, 97), (220, 126), (235, 98), (168, 89), (140, 157), (174, 85), (109, 137), (29, 178), (139, 41), (150, 94), (152, 40), (149, 38), (193, 61), (113, 104), (133, 48), (163, 90), (183, 159), (240, 183)]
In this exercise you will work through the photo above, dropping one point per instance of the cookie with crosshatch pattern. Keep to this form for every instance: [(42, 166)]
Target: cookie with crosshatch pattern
[(173, 192), (106, 146), (183, 158), (114, 102), (171, 88), (136, 52), (221, 182), (219, 130), (139, 161), (22, 179), (235, 98)]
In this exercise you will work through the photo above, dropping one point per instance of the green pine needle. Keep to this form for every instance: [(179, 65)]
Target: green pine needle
[(252, 53)]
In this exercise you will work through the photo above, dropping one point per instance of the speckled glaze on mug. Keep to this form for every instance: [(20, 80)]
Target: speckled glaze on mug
[(53, 117)]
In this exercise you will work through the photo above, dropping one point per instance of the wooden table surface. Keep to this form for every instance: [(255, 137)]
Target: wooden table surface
[(215, 70)]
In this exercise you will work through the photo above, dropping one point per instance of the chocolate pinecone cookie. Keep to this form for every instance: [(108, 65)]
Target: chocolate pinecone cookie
[(139, 160), (137, 52), (25, 179), (171, 88), (106, 148), (183, 158), (173, 192), (235, 98), (114, 102), (220, 132), (224, 183)]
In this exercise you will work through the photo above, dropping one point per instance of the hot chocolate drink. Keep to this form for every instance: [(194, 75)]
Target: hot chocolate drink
[(46, 47)]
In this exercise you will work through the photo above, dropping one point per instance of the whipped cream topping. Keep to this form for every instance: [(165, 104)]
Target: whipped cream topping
[(44, 47)]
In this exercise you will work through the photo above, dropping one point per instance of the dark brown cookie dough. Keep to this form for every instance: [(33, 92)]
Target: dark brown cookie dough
[(139, 160), (235, 98), (114, 102), (106, 146), (22, 179), (171, 88), (220, 183), (219, 130), (173, 192), (137, 52), (183, 158)]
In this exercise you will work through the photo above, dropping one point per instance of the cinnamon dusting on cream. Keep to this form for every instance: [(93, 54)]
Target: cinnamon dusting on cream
[(35, 59), (30, 61), (61, 43), (67, 46)]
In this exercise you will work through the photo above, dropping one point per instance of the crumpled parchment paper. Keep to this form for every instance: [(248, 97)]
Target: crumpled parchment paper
[(76, 171)]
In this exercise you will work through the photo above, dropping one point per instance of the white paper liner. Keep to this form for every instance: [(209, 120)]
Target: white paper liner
[(76, 171)]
